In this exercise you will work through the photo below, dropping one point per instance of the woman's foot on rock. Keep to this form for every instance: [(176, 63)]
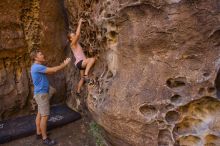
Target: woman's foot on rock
[(86, 78)]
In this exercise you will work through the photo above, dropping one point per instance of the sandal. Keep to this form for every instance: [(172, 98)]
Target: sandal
[(39, 136), (49, 142)]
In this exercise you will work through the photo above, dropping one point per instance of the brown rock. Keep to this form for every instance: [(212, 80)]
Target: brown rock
[(27, 25), (155, 80)]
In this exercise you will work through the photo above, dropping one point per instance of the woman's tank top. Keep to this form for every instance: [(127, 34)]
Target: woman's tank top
[(78, 54)]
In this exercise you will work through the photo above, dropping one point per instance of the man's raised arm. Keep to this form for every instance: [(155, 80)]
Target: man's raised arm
[(51, 70)]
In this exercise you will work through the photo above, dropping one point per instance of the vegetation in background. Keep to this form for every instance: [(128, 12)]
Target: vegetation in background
[(95, 130)]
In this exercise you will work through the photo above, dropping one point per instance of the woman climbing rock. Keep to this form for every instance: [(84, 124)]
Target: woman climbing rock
[(82, 63)]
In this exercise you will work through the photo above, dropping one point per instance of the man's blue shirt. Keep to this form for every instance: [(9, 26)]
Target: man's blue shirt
[(39, 78)]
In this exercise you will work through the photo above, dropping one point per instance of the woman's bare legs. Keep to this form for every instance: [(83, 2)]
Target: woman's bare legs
[(88, 63), (80, 82)]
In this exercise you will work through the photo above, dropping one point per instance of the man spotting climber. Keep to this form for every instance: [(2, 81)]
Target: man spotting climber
[(41, 92), (82, 63)]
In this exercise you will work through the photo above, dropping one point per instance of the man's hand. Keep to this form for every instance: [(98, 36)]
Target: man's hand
[(67, 61), (51, 70)]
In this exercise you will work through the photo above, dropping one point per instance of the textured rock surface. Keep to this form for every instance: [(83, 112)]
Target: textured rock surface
[(27, 25), (155, 82)]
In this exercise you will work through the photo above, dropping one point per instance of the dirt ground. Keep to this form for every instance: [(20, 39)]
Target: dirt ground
[(73, 134)]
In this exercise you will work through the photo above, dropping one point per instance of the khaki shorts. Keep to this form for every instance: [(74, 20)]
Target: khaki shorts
[(43, 103)]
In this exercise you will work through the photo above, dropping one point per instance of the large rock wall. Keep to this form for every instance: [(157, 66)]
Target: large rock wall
[(156, 80), (27, 25), (12, 42)]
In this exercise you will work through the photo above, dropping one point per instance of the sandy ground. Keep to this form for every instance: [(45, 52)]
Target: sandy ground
[(73, 134)]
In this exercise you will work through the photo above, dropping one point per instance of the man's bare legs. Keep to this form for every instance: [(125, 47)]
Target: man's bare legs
[(43, 126), (38, 119), (81, 81)]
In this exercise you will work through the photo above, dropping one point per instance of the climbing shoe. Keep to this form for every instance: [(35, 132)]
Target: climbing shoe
[(49, 142), (86, 78), (77, 94)]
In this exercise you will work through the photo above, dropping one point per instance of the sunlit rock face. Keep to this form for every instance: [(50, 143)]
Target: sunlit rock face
[(156, 81), (27, 25)]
